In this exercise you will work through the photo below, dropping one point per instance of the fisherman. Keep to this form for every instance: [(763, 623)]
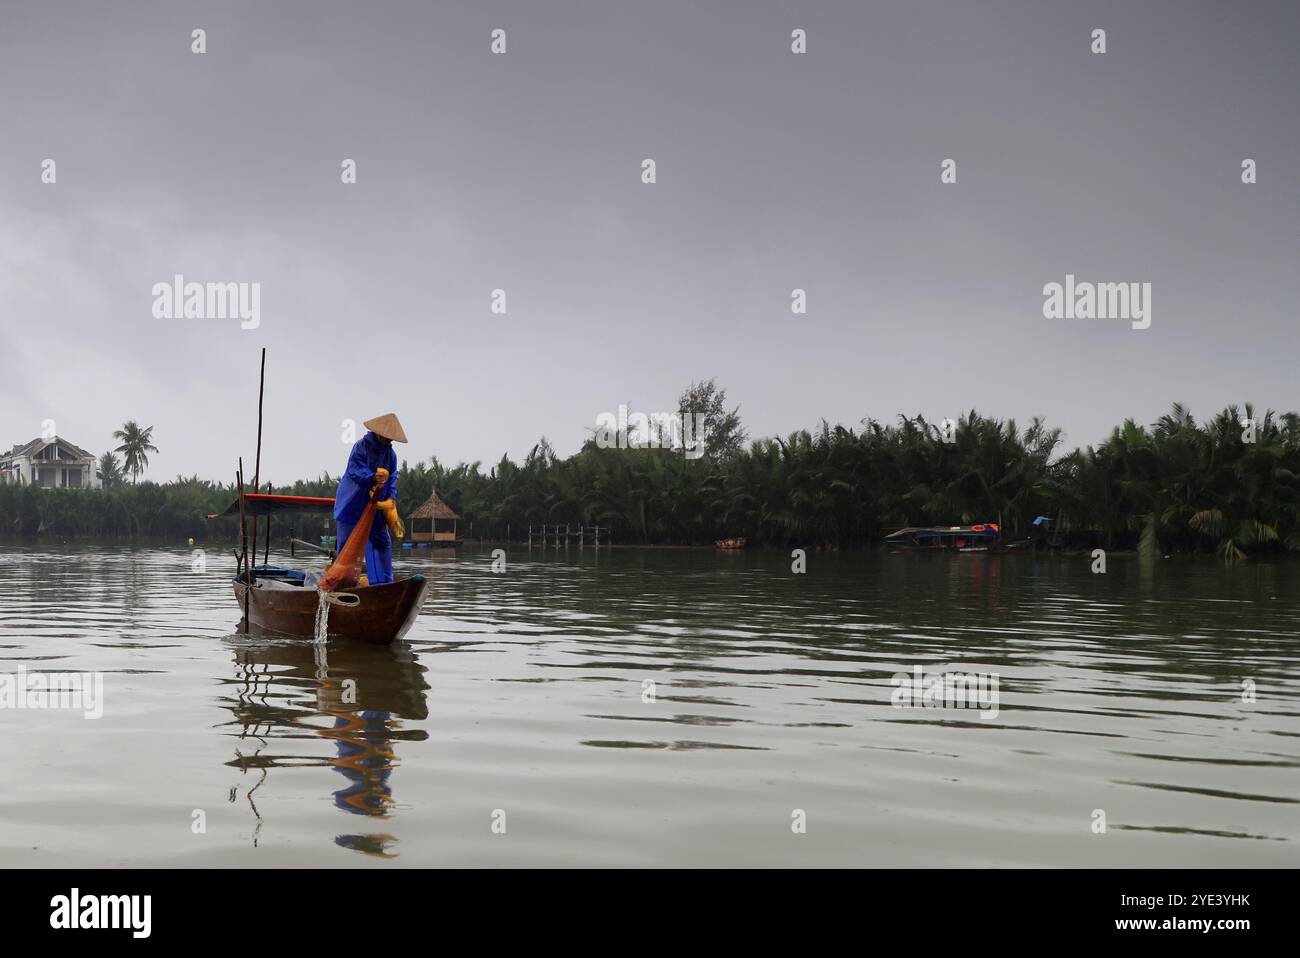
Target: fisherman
[(372, 463)]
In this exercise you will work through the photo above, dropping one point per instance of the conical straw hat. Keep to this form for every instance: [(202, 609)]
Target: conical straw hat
[(387, 426)]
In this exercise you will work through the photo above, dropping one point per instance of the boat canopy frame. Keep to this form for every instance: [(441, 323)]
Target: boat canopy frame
[(266, 504)]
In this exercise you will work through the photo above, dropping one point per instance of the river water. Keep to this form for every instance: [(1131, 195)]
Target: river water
[(663, 707)]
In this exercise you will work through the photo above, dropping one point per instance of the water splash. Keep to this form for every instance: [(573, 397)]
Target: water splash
[(322, 616)]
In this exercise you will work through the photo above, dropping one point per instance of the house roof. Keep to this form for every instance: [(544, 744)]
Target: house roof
[(434, 508), (37, 444)]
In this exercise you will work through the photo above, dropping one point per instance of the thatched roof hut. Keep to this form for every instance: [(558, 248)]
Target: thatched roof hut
[(434, 521), (434, 508)]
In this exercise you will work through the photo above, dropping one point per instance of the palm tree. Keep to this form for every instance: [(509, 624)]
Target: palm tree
[(110, 473), (135, 447)]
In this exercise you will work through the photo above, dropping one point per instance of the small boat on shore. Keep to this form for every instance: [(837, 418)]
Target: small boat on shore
[(730, 544)]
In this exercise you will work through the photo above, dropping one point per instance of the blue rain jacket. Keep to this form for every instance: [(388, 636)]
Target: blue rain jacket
[(368, 454)]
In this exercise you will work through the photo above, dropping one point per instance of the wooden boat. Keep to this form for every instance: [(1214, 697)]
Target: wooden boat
[(285, 601), (982, 537), (728, 544)]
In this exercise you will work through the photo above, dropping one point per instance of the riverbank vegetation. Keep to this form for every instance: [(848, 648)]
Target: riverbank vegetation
[(1230, 484)]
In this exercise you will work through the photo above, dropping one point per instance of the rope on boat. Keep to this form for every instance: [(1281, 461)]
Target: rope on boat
[(341, 598)]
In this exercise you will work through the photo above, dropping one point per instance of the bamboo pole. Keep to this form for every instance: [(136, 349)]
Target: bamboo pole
[(309, 545), (266, 549), (257, 464), (243, 538)]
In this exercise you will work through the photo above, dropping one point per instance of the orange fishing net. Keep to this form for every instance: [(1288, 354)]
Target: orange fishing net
[(345, 572)]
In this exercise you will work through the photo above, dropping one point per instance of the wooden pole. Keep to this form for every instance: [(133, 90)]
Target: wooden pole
[(257, 464), (266, 550), (310, 545), (243, 538)]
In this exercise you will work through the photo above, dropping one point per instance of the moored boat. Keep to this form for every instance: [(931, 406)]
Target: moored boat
[(981, 537)]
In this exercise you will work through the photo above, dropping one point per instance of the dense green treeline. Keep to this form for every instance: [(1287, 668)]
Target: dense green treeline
[(1229, 484)]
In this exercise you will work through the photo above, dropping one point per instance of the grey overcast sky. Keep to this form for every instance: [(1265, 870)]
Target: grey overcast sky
[(522, 171)]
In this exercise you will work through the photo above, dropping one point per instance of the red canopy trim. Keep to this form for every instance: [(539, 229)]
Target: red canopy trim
[(266, 504)]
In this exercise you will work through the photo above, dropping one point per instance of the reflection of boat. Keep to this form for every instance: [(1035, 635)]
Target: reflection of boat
[(285, 601), (362, 692), (982, 537), (728, 544)]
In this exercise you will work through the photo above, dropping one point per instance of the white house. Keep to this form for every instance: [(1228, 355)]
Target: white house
[(50, 463)]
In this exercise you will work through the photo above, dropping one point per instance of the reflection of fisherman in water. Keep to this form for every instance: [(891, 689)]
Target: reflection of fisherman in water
[(365, 691), (365, 757)]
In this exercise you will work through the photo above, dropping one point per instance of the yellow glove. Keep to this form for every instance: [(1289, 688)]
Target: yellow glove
[(381, 477), (389, 508)]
